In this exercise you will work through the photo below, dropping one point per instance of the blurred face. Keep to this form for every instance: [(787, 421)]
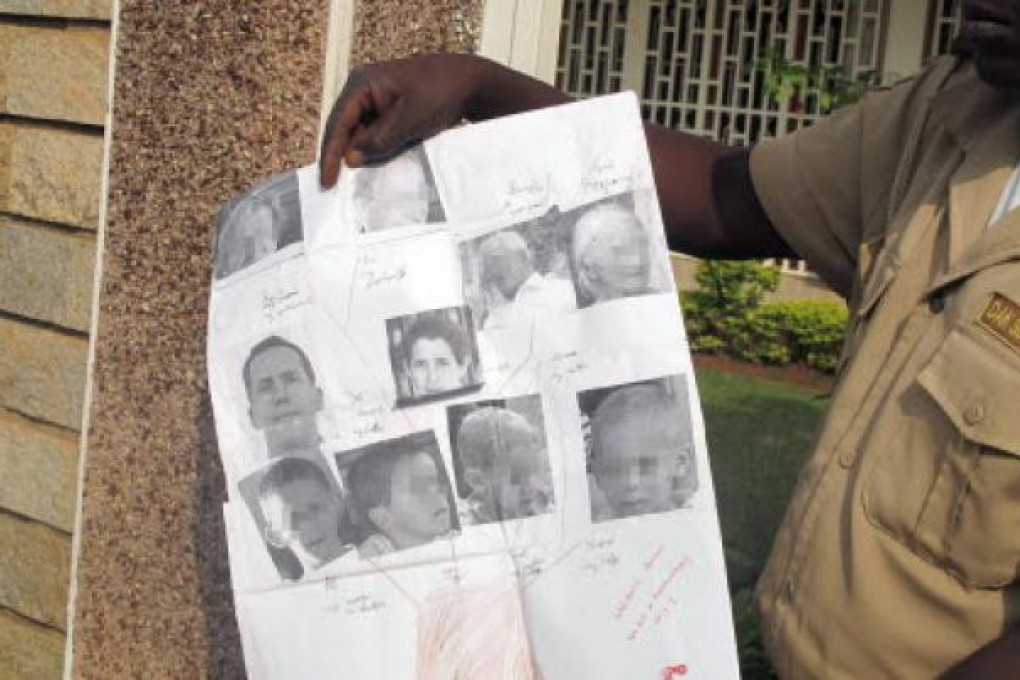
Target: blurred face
[(283, 399), (505, 268), (635, 465), (305, 512), (991, 32), (616, 264), (434, 367), (250, 239), (419, 510), (496, 273), (400, 196), (520, 483)]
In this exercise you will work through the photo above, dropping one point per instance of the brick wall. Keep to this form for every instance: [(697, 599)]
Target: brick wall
[(54, 57)]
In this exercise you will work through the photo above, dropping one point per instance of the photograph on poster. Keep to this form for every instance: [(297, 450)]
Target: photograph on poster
[(284, 397), (398, 193), (433, 354), (256, 225), (639, 446), (301, 513), (400, 494), (612, 253), (518, 274), (500, 459)]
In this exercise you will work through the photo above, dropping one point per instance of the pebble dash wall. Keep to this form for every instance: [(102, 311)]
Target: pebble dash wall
[(209, 98)]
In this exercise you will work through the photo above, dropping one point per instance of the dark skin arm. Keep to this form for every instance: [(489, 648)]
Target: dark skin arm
[(708, 202), (998, 660)]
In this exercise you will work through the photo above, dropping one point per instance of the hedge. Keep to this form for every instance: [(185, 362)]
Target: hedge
[(727, 315)]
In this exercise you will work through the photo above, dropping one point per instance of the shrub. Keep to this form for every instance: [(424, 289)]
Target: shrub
[(812, 330), (719, 312), (727, 315)]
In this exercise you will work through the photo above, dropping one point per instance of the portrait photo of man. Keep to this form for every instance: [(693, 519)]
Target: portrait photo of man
[(514, 276), (611, 254), (433, 354), (501, 460), (399, 192), (284, 399), (400, 494), (258, 224), (640, 448)]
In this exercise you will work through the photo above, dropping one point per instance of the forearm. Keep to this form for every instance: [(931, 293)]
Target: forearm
[(499, 91), (998, 659), (708, 200)]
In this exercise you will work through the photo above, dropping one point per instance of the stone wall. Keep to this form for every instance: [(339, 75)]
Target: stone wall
[(54, 57), (210, 97)]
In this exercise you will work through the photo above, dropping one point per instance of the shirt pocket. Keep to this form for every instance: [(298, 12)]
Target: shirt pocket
[(947, 483)]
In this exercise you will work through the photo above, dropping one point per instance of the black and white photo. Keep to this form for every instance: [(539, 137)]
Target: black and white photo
[(399, 192), (433, 354), (400, 494), (301, 514), (640, 448), (263, 221), (501, 459), (612, 253), (515, 275), (284, 397)]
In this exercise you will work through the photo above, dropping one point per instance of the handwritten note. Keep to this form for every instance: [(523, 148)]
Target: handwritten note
[(352, 604), (378, 269), (599, 554), (529, 563), (649, 598), (605, 175), (278, 301), (527, 194), (565, 366)]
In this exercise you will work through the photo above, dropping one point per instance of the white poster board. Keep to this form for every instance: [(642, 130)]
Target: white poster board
[(458, 419)]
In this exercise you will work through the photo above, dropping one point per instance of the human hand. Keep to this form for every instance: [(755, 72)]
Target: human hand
[(387, 106)]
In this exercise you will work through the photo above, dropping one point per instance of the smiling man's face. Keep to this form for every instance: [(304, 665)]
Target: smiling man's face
[(283, 399)]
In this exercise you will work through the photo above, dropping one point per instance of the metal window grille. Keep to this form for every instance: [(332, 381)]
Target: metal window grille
[(943, 23), (712, 67)]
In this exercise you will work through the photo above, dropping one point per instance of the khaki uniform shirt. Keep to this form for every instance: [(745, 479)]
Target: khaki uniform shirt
[(899, 554)]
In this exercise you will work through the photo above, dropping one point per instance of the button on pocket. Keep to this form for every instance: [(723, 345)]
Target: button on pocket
[(947, 482)]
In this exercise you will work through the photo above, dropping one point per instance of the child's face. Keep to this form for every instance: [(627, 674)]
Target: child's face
[(635, 465), (308, 512), (419, 507), (519, 480), (434, 367)]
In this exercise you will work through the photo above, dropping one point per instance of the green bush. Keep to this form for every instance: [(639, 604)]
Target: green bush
[(719, 312), (812, 331), (726, 314)]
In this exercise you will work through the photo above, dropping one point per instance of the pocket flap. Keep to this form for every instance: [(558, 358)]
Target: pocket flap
[(977, 389)]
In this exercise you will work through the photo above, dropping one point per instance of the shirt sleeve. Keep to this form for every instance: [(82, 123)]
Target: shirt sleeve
[(827, 186)]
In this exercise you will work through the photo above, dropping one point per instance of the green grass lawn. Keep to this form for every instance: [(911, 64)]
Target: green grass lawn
[(759, 434)]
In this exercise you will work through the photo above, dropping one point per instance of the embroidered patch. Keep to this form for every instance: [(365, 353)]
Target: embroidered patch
[(1001, 318)]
